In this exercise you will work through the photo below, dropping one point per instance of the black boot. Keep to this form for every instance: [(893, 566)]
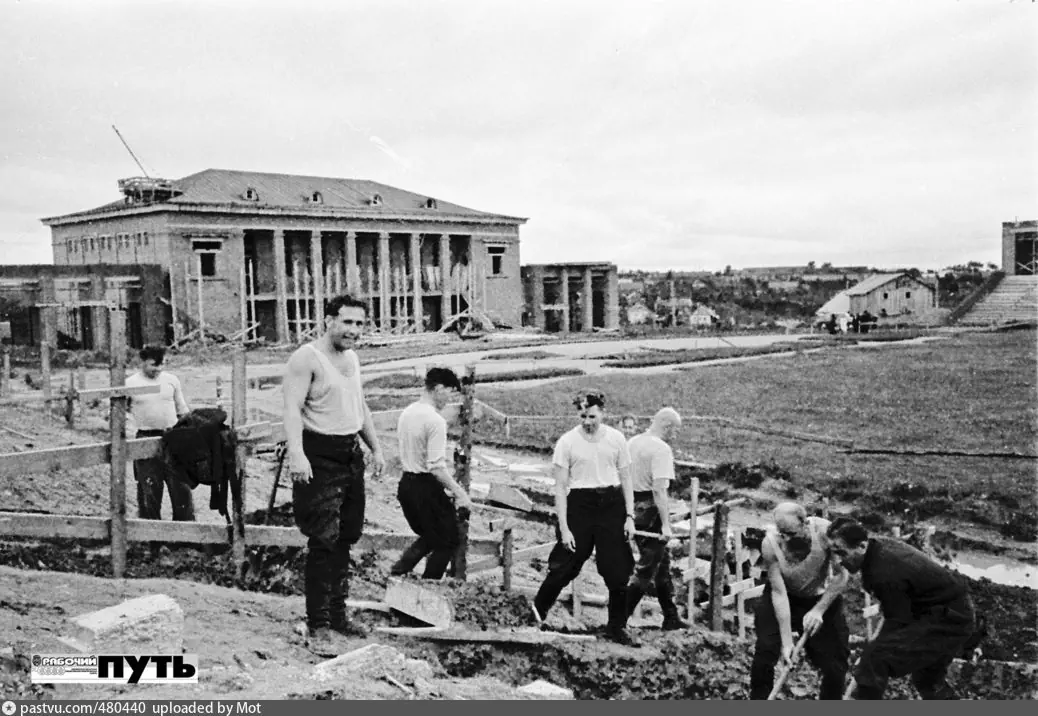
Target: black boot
[(436, 563), (411, 556), (616, 629), (635, 592), (340, 590), (318, 584)]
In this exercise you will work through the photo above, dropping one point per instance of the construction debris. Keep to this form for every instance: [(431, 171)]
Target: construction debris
[(149, 625)]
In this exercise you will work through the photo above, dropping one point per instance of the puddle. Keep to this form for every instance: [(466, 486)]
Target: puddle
[(980, 566)]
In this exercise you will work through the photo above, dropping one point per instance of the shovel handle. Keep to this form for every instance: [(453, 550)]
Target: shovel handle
[(655, 535), (787, 668)]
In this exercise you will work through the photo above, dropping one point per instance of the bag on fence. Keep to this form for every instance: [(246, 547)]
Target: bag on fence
[(200, 450)]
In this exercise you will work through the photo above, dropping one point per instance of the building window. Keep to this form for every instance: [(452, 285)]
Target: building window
[(376, 200), (497, 260), (884, 297), (145, 237), (908, 294), (251, 194), (430, 203), (207, 251), (316, 198), (91, 243)]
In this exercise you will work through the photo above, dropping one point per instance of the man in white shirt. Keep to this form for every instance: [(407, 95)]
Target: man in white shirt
[(652, 469), (151, 415), (594, 504), (429, 495)]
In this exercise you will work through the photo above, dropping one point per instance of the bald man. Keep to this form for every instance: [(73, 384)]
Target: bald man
[(652, 469), (803, 590)]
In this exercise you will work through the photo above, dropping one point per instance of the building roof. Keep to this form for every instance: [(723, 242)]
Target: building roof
[(227, 189)]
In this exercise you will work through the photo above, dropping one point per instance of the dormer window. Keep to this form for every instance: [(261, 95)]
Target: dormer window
[(430, 203), (251, 194), (376, 200), (316, 198)]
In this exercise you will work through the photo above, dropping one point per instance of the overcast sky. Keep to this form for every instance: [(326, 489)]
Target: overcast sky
[(685, 134)]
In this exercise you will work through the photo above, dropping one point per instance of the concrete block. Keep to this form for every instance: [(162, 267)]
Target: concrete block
[(420, 602), (546, 690), (373, 660), (152, 625)]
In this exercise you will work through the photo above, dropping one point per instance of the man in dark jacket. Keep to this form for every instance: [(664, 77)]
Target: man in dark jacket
[(928, 615)]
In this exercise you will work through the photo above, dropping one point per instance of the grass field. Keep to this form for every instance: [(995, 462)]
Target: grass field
[(972, 392), (404, 381)]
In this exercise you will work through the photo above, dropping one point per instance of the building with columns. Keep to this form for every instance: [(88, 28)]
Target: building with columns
[(256, 254), (572, 297)]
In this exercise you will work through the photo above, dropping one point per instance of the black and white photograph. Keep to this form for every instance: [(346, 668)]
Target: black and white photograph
[(471, 350)]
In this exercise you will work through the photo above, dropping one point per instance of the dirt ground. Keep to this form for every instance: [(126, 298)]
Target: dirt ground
[(245, 632)]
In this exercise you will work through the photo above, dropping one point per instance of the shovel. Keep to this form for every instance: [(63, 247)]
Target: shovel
[(788, 668)]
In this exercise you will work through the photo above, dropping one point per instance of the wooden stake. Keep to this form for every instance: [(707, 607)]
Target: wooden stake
[(693, 531), (254, 332), (507, 548), (464, 471), (117, 427), (717, 565), (70, 399), (239, 416), (45, 368)]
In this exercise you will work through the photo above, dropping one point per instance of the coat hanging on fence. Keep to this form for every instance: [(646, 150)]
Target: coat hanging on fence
[(200, 450)]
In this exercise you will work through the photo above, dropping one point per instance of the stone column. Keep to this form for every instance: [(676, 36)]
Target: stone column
[(416, 273), (383, 280), (281, 288), (352, 272), (588, 320), (537, 296), (445, 278), (317, 269), (612, 298), (564, 298)]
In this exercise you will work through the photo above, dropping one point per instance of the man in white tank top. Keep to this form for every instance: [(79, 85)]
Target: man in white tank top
[(804, 585), (326, 417)]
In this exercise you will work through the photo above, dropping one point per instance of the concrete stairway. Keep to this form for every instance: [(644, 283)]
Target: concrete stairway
[(1014, 299)]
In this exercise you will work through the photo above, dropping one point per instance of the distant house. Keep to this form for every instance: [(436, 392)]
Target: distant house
[(639, 314), (882, 295), (703, 317)]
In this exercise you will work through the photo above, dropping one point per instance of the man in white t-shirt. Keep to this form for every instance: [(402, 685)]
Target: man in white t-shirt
[(652, 469), (594, 504), (151, 415), (429, 495)]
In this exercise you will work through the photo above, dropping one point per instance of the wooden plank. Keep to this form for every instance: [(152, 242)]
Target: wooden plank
[(25, 524), (693, 533), (717, 566), (116, 391), (419, 602), (239, 415), (745, 589), (463, 472), (531, 636)]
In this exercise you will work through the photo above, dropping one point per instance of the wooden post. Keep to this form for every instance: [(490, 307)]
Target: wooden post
[(239, 416), (5, 376), (243, 306), (693, 535), (371, 298), (81, 377), (295, 297), (717, 565), (307, 279), (507, 547), (187, 295), (254, 332), (739, 556), (201, 300), (45, 369), (172, 306), (117, 426), (464, 472)]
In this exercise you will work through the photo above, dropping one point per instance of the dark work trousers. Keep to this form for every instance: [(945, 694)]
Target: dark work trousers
[(329, 510), (152, 479), (827, 650), (596, 519), (653, 567), (924, 648), (431, 515)]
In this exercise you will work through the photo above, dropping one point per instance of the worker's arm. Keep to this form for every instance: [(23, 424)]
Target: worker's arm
[(838, 581), (369, 436), (296, 385), (436, 463), (178, 399), (623, 469), (662, 474), (561, 475), (779, 598)]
